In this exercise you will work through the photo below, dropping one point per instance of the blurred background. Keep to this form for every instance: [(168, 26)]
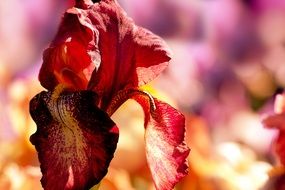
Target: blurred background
[(228, 63)]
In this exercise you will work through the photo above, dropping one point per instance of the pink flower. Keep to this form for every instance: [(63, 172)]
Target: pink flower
[(99, 59)]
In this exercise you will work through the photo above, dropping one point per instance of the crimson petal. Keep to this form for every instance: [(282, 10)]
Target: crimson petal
[(73, 55), (126, 50), (98, 44), (275, 121), (75, 140), (280, 146), (166, 150), (278, 121)]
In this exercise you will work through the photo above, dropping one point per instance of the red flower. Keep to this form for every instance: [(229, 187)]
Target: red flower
[(97, 61), (278, 121)]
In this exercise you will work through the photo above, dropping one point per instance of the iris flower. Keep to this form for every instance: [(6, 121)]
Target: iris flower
[(98, 60)]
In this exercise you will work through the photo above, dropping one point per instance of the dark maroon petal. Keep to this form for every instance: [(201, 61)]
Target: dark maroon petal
[(166, 150), (75, 140), (84, 4)]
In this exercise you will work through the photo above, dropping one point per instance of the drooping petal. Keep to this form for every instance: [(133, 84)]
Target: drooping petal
[(75, 140), (130, 55), (73, 55), (166, 150)]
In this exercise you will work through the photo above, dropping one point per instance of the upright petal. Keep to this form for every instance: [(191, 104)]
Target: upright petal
[(130, 55), (73, 55), (75, 140), (99, 46), (152, 55), (166, 150)]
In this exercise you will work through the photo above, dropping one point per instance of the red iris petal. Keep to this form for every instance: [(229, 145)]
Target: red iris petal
[(101, 36), (73, 55), (166, 150), (75, 140), (131, 56)]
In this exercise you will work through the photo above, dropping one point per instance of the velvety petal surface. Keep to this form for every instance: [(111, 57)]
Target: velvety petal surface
[(99, 40), (130, 55), (75, 140), (166, 150), (73, 55)]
